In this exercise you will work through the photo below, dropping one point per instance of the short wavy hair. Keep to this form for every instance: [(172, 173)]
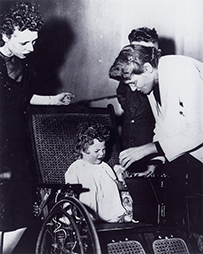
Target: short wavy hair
[(86, 135), (122, 68), (21, 16), (143, 34)]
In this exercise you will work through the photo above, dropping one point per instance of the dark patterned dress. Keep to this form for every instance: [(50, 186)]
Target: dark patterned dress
[(16, 206)]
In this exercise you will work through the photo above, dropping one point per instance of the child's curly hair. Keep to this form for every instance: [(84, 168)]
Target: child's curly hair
[(87, 133), (21, 16)]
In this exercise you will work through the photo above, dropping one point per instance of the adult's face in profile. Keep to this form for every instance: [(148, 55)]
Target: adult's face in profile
[(20, 43), (143, 82)]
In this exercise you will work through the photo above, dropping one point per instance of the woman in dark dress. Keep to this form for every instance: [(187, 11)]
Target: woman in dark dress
[(19, 31)]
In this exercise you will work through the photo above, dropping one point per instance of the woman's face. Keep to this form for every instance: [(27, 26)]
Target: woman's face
[(95, 152), (143, 82), (20, 43)]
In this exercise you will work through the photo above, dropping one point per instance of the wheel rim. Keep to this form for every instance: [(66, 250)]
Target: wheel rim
[(68, 229)]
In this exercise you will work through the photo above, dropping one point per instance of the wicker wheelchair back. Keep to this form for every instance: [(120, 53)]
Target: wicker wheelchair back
[(54, 137)]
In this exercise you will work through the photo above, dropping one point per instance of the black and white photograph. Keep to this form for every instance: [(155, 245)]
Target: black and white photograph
[(101, 127)]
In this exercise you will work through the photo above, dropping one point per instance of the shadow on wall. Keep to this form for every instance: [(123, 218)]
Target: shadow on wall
[(51, 50), (167, 46)]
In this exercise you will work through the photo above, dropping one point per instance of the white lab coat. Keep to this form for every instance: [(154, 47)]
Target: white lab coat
[(179, 119)]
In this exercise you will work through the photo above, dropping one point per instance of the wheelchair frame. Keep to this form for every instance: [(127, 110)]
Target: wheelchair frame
[(68, 226), (77, 232)]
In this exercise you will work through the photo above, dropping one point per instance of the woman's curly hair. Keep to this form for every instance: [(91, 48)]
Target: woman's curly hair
[(21, 16), (86, 135)]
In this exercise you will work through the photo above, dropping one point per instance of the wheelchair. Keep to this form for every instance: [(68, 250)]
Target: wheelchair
[(68, 226)]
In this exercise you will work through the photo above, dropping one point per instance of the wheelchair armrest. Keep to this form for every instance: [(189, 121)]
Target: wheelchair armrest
[(76, 188)]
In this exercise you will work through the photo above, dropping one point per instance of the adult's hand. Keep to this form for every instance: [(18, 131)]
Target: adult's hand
[(147, 173), (130, 155), (61, 99)]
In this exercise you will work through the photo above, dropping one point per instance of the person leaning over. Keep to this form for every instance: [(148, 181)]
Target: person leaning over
[(138, 119), (174, 86)]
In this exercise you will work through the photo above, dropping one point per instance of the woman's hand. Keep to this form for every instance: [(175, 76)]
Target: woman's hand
[(149, 172), (130, 155), (61, 99), (57, 100)]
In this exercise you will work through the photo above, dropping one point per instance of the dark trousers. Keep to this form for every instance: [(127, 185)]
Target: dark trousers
[(185, 177)]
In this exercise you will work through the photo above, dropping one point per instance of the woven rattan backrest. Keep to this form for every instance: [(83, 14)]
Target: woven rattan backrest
[(54, 137), (169, 246), (125, 247)]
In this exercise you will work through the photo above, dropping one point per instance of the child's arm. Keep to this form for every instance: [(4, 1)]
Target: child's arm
[(119, 170)]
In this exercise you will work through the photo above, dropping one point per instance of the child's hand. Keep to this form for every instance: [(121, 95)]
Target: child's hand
[(36, 209), (119, 172)]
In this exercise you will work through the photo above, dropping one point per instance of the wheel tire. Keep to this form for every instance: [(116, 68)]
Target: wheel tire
[(68, 227)]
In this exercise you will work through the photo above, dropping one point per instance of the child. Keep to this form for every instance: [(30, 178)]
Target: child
[(93, 173)]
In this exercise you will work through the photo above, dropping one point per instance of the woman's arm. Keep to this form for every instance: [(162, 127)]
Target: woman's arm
[(59, 99), (130, 155)]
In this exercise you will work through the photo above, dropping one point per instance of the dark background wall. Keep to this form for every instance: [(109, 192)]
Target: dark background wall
[(81, 38)]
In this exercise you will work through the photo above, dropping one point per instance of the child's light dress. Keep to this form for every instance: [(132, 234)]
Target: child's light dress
[(103, 197)]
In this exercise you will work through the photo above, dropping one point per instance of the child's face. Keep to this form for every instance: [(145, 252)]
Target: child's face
[(95, 153)]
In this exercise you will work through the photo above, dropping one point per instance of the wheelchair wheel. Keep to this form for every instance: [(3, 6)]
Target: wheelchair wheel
[(68, 229)]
